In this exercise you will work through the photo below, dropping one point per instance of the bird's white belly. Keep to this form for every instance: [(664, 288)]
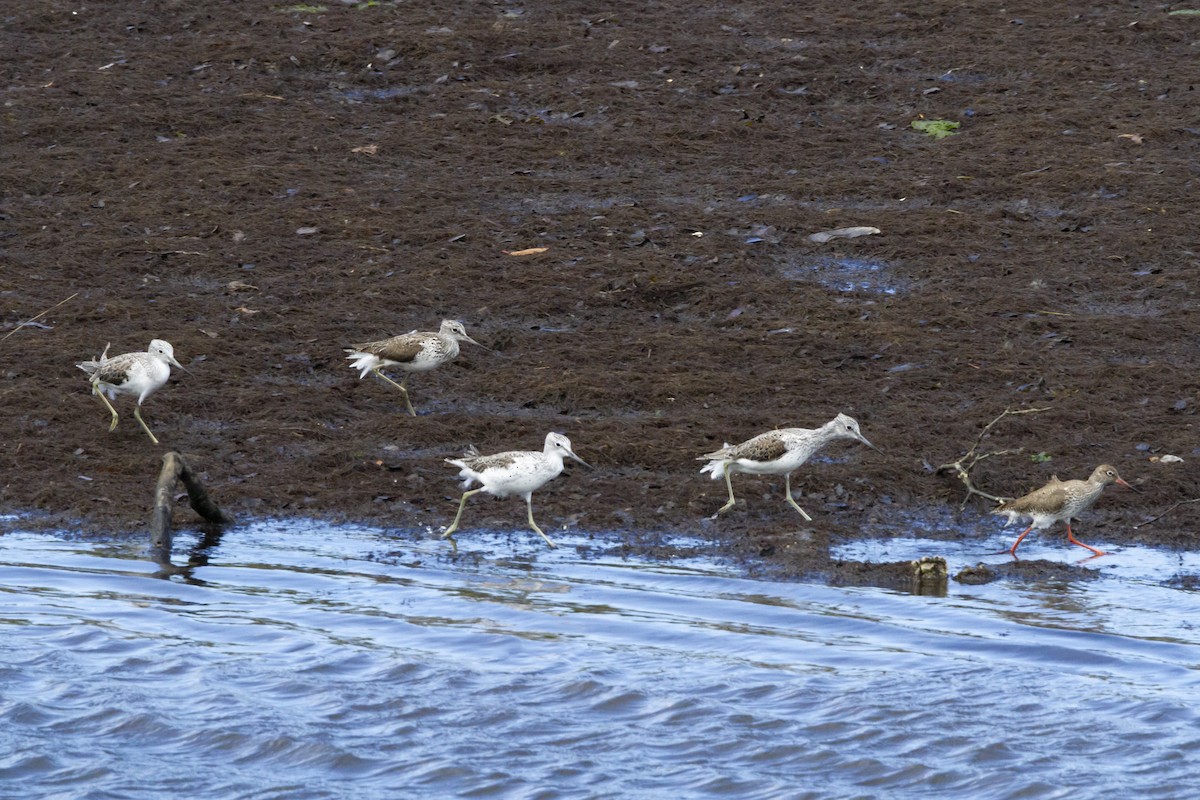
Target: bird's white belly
[(778, 466), (518, 479), (1038, 521), (418, 364), (141, 378)]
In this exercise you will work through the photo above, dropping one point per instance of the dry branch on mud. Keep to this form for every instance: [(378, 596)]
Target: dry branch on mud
[(966, 462)]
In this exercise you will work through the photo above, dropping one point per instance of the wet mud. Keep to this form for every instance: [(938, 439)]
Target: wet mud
[(264, 186)]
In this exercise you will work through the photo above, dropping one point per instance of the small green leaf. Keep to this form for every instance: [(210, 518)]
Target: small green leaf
[(937, 128), (1040, 458), (1184, 12)]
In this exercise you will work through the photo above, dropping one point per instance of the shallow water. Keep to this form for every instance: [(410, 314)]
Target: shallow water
[(846, 274), (305, 662)]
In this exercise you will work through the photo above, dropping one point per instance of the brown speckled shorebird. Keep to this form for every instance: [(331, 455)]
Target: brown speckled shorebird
[(778, 452), (519, 472), (1059, 500), (419, 351), (138, 374)]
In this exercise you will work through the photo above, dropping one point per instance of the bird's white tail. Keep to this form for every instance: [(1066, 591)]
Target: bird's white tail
[(364, 362), (466, 474), (1009, 516), (716, 464), (90, 367)]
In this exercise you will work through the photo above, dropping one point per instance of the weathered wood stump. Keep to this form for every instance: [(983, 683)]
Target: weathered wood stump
[(176, 469)]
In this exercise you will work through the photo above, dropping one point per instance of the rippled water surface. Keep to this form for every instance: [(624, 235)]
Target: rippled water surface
[(305, 662)]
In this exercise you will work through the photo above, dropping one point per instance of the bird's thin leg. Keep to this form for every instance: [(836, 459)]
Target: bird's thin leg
[(1071, 538), (728, 485), (399, 386), (1012, 551), (96, 391), (787, 487), (534, 525), (454, 525), (137, 414)]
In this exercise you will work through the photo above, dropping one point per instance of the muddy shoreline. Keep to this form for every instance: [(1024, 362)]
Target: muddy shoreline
[(262, 187)]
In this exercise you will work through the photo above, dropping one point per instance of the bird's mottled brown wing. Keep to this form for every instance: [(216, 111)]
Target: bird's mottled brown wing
[(111, 376), (764, 447), (400, 349), (1051, 496), (113, 371), (481, 463)]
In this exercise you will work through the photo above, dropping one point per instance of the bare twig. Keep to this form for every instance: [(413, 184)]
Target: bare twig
[(964, 474), (34, 319), (1168, 511), (966, 462)]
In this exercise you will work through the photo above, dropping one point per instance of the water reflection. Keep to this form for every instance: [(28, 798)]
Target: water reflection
[(197, 555), (296, 661)]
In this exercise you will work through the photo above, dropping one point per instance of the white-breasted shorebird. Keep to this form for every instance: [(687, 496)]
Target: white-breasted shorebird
[(778, 452), (418, 351), (140, 374), (1059, 500), (519, 472)]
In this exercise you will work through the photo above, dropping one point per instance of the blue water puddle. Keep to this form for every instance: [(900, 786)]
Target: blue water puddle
[(967, 538), (988, 546), (513, 545), (382, 93), (846, 274)]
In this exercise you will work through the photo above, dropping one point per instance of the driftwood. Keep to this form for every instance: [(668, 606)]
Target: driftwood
[(966, 462), (175, 469)]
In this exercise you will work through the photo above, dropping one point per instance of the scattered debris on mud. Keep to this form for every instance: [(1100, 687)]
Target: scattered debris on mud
[(619, 207)]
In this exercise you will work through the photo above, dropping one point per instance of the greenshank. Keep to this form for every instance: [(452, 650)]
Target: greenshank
[(138, 374), (418, 351), (517, 472), (778, 452)]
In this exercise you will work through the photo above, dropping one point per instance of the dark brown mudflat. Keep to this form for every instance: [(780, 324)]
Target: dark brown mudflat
[(262, 187)]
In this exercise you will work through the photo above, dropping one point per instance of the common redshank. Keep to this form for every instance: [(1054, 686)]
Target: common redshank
[(778, 452), (1059, 500), (418, 351), (519, 472), (140, 374)]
